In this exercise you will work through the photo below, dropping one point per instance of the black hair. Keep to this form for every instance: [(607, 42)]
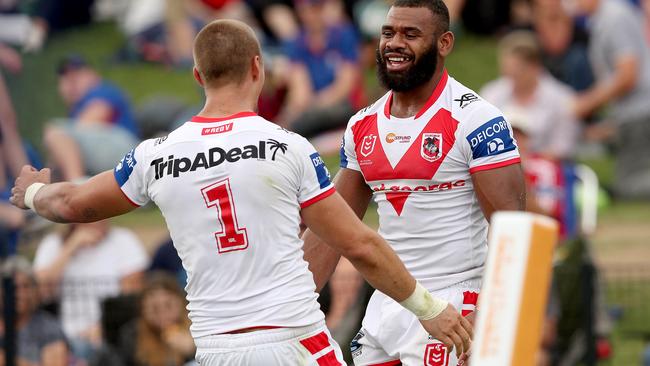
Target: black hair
[(437, 7)]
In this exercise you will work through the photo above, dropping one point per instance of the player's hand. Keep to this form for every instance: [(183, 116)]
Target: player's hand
[(28, 175), (451, 329)]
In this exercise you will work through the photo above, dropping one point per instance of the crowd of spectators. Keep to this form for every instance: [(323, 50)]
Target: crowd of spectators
[(570, 72)]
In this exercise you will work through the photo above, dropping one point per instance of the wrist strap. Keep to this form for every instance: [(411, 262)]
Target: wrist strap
[(30, 193), (422, 304)]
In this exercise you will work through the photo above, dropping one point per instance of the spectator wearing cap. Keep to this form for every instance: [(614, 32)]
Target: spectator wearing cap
[(527, 89), (100, 126), (324, 86), (620, 58)]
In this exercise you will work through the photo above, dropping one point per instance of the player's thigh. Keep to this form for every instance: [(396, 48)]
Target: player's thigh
[(420, 348)]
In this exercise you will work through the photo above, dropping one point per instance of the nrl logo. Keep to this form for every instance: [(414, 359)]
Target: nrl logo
[(436, 355), (368, 145), (431, 148)]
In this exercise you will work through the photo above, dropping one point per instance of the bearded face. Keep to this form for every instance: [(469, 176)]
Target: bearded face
[(401, 70)]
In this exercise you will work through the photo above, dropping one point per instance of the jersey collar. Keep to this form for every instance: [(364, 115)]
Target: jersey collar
[(442, 83), (201, 119)]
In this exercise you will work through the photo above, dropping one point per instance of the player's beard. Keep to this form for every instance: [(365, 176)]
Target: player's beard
[(418, 74)]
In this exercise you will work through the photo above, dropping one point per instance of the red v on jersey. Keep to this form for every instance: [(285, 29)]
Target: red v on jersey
[(417, 163)]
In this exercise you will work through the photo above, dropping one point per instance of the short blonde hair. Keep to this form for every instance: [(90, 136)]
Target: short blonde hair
[(223, 51)]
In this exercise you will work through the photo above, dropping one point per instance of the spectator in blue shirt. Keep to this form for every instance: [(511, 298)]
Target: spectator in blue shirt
[(324, 87), (100, 126)]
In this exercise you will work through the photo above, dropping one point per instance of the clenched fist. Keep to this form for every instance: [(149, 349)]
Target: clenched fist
[(28, 176)]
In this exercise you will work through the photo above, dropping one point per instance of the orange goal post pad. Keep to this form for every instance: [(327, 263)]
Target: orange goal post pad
[(515, 289)]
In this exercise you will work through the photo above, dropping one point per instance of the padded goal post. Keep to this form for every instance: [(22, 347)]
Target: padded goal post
[(515, 289)]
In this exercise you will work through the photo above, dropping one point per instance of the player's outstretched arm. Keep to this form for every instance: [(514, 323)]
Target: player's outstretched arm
[(321, 257), (338, 226), (98, 198), (500, 189)]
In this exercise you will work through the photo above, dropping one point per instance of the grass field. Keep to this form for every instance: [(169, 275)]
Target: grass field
[(621, 240)]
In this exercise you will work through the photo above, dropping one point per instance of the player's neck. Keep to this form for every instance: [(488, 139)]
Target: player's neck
[(408, 103), (226, 102)]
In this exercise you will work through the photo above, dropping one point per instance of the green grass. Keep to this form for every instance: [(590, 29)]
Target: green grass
[(473, 61), (34, 90)]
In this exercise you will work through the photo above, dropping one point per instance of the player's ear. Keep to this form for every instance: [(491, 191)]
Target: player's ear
[(445, 43), (257, 68), (197, 76)]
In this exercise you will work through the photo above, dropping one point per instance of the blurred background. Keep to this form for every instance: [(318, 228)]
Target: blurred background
[(82, 81)]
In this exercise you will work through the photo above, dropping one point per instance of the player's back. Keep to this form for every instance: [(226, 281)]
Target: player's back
[(231, 192)]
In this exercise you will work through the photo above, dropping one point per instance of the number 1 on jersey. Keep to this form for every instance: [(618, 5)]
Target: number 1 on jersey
[(231, 237)]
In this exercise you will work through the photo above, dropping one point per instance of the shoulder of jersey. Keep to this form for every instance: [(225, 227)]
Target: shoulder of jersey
[(465, 102), (370, 110)]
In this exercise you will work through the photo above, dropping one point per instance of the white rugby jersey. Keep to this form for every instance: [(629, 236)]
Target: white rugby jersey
[(231, 190), (419, 170)]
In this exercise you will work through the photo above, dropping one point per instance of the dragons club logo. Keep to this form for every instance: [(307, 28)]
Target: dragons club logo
[(431, 148), (368, 145)]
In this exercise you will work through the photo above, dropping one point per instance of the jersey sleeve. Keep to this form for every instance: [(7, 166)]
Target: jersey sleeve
[(130, 175), (487, 140), (348, 153), (315, 183)]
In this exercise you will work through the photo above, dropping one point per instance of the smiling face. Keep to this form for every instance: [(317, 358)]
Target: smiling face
[(407, 56)]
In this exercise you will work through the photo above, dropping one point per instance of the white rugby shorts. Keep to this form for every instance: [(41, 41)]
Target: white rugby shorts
[(311, 345), (391, 335)]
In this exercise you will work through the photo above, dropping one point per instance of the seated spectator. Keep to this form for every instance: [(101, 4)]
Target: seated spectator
[(100, 128), (525, 87), (563, 44), (40, 338), (82, 266), (546, 186), (160, 336), (324, 84), (620, 57), (163, 31)]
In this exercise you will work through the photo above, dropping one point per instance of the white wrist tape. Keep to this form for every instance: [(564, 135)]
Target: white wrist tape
[(30, 193), (422, 304)]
